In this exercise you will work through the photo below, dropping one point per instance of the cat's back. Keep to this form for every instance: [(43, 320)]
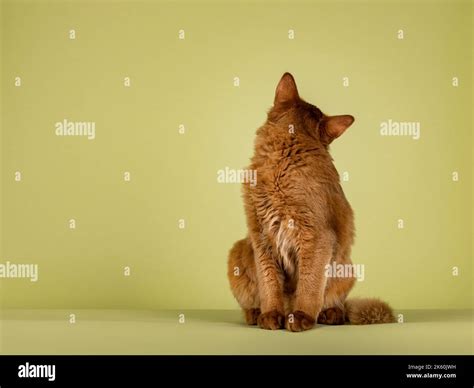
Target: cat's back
[(292, 176), (285, 164)]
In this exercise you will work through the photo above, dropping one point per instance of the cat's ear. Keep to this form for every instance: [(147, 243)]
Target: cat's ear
[(335, 126), (286, 91)]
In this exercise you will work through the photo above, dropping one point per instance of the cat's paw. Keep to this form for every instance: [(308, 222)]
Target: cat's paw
[(299, 321), (331, 316), (272, 320), (251, 316)]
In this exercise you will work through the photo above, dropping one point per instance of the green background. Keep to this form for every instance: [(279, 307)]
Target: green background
[(174, 176)]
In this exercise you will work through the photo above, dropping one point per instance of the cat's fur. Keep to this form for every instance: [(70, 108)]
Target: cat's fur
[(298, 221)]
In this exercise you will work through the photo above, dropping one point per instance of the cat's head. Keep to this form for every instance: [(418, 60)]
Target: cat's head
[(302, 119)]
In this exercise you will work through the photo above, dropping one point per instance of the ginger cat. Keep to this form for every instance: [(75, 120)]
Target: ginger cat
[(299, 221)]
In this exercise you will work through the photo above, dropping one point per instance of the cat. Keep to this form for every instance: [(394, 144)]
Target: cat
[(299, 221)]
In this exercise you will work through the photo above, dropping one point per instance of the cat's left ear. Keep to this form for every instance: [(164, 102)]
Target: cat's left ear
[(286, 91), (335, 126)]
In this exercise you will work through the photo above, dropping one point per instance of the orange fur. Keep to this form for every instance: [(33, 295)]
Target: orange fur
[(299, 221), (366, 311)]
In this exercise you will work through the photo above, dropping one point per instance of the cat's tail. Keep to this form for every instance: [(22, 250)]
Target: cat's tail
[(365, 311)]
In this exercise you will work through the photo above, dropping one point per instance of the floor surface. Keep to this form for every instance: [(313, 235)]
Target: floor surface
[(224, 332)]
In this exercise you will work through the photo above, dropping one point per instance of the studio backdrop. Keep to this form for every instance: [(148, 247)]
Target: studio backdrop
[(125, 125)]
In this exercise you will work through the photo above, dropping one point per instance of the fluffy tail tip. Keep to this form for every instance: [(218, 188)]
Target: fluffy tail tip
[(368, 311)]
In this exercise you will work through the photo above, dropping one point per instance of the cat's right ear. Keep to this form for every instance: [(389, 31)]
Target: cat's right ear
[(286, 91)]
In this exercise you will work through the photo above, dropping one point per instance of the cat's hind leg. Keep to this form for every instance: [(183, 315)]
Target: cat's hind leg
[(332, 316), (333, 311), (243, 279)]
